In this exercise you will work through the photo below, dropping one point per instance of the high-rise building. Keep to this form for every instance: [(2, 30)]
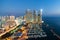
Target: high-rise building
[(12, 18), (3, 18), (7, 18), (28, 16), (34, 16), (24, 17), (40, 19), (40, 16)]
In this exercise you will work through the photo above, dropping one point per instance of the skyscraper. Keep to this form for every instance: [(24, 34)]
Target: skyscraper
[(34, 16), (28, 15), (40, 19), (40, 16)]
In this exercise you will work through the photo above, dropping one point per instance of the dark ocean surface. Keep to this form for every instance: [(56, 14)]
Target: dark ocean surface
[(54, 22)]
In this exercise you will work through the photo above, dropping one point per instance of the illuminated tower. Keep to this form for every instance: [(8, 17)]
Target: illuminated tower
[(34, 16), (40, 16), (28, 15), (40, 19), (12, 18)]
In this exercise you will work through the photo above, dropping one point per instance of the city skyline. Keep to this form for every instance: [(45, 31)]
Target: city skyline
[(29, 19), (18, 7)]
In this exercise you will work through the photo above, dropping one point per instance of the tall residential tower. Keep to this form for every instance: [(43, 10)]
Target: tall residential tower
[(34, 16), (40, 16)]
